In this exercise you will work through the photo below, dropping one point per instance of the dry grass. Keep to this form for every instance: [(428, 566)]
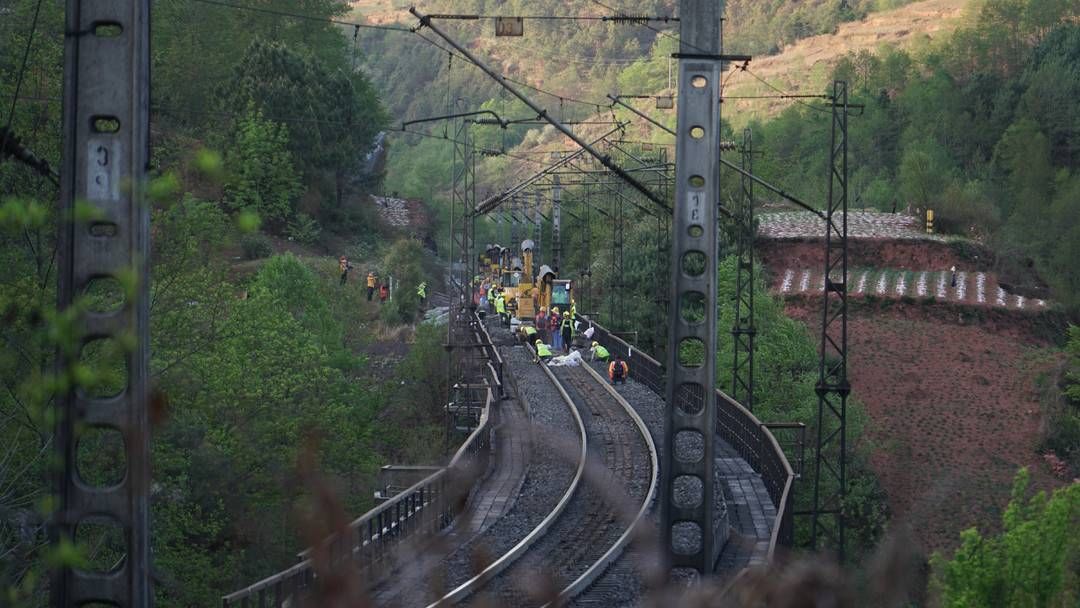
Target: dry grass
[(804, 67)]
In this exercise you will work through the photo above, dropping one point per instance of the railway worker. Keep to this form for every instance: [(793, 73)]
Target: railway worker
[(567, 330), (421, 290), (953, 271), (384, 293), (541, 321), (573, 310), (553, 328), (370, 285), (500, 307), (618, 370), (599, 353), (528, 334), (344, 266), (543, 352)]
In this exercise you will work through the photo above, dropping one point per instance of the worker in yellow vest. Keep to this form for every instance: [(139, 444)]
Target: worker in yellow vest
[(599, 353), (528, 334), (543, 352), (421, 290), (500, 307), (566, 328), (370, 285)]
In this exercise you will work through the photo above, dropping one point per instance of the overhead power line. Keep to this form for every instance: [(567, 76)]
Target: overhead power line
[(614, 18), (281, 13), (787, 95), (390, 28)]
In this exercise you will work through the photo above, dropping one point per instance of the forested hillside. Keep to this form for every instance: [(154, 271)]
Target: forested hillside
[(980, 128), (265, 386), (273, 381), (577, 64)]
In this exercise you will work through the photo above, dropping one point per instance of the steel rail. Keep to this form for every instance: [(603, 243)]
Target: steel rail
[(650, 373), (475, 583), (615, 552)]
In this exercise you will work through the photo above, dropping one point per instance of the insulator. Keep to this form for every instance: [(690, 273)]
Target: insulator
[(13, 147), (631, 19)]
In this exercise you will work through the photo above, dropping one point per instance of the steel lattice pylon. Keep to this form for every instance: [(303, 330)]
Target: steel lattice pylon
[(462, 260), (743, 332), (830, 466)]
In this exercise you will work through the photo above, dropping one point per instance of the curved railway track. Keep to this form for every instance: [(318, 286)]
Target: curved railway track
[(592, 524)]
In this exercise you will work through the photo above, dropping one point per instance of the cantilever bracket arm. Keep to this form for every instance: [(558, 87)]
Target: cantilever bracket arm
[(492, 202), (502, 123), (730, 165)]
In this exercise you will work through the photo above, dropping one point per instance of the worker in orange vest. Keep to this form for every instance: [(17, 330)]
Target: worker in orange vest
[(370, 285), (618, 370), (344, 266)]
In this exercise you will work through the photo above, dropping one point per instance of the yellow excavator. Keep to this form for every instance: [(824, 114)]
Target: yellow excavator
[(524, 293)]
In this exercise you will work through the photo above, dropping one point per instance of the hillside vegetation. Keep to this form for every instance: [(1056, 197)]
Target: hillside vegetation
[(264, 390)]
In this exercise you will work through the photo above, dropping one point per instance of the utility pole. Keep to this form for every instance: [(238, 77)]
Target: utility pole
[(688, 500), (743, 332), (833, 387), (539, 231), (556, 225), (106, 152)]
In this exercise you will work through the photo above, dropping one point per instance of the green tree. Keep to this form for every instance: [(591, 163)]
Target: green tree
[(332, 116), (924, 173), (405, 260), (1032, 563), (263, 178)]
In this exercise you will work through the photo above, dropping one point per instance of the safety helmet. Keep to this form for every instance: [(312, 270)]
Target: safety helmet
[(595, 344), (566, 314), (538, 341), (555, 310)]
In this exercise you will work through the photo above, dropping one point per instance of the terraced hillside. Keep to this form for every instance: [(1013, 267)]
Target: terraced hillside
[(948, 375)]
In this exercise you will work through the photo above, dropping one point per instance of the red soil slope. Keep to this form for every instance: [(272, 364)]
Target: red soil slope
[(953, 414)]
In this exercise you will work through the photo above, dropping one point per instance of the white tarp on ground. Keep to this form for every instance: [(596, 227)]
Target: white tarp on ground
[(572, 360), (437, 316)]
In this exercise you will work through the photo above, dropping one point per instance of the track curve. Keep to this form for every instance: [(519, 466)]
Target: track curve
[(600, 519)]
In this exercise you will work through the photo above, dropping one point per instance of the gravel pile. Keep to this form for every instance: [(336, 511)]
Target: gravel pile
[(394, 211), (861, 224)]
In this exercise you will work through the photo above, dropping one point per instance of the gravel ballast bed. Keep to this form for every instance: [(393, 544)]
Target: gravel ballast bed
[(590, 525), (549, 475)]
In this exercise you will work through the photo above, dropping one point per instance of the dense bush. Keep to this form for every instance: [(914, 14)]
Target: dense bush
[(1031, 563), (256, 246)]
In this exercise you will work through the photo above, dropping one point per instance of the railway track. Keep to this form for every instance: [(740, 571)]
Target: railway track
[(591, 526)]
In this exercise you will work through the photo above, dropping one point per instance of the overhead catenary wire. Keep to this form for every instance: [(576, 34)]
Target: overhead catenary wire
[(616, 18), (787, 95), (466, 60), (282, 13), (402, 29)]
